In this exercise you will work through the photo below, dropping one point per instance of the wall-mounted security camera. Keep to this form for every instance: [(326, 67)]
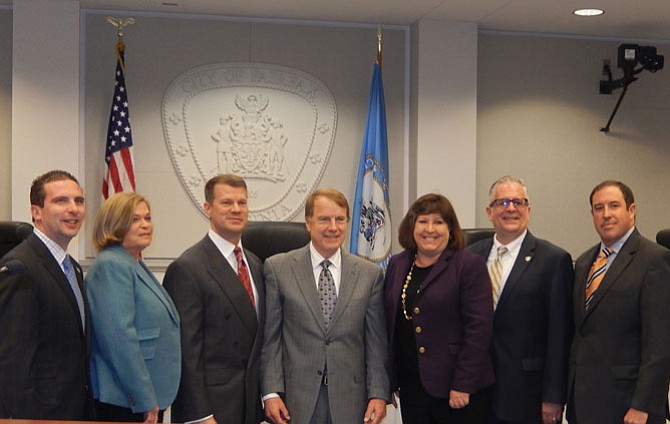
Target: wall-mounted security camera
[(629, 56)]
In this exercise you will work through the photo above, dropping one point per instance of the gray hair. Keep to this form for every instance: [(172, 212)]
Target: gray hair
[(507, 179)]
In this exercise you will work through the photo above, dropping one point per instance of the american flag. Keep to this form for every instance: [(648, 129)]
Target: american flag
[(119, 174)]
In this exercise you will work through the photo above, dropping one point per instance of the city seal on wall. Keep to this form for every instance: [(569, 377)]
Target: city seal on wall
[(272, 125)]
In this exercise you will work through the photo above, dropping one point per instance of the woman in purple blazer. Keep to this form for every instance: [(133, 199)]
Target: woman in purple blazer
[(439, 311)]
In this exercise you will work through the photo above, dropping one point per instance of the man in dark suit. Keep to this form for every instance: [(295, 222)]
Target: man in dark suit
[(325, 351), (44, 347), (532, 327), (620, 356), (221, 305)]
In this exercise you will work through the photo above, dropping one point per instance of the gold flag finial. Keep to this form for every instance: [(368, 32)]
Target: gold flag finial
[(379, 45), (119, 24)]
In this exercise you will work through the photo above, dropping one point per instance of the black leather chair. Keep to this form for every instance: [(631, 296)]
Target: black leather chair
[(268, 238), (12, 233), (473, 235), (663, 238)]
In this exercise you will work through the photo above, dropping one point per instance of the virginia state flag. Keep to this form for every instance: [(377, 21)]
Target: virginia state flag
[(371, 227)]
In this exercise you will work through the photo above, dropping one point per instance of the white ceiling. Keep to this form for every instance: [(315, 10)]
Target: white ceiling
[(627, 20)]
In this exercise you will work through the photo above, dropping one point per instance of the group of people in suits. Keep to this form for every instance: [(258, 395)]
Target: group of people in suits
[(499, 332)]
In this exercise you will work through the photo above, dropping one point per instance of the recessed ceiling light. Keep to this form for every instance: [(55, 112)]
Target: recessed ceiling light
[(588, 12)]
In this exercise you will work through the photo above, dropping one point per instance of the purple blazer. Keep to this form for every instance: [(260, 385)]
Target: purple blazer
[(456, 320)]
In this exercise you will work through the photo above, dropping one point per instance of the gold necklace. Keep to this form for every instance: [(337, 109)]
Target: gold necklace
[(403, 296)]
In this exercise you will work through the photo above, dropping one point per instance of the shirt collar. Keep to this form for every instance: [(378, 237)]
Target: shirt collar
[(335, 260), (56, 251), (225, 247), (512, 246), (617, 245)]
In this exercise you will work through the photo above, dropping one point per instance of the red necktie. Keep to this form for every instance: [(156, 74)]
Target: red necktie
[(243, 273)]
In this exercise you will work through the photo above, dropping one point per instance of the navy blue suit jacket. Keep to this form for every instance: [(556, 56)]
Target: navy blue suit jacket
[(43, 349), (532, 330)]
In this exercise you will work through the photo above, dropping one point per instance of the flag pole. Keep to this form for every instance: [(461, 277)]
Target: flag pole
[(119, 24), (119, 173), (379, 45)]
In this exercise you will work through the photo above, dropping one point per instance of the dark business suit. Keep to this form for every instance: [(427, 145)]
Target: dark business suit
[(43, 349), (221, 336), (455, 322), (532, 330), (298, 345), (620, 355)]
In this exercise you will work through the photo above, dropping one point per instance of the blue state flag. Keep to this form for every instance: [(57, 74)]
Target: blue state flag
[(371, 227)]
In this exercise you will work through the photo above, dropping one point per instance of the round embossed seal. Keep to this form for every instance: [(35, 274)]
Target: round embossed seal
[(272, 125)]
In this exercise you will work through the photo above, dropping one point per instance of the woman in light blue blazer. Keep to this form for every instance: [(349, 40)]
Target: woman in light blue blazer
[(135, 352)]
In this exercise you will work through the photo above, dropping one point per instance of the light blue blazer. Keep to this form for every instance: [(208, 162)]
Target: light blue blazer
[(136, 351)]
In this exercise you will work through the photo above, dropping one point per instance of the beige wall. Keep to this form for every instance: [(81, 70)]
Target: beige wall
[(539, 117), (159, 49)]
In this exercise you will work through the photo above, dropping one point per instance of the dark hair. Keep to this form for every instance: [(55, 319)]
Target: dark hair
[(329, 193), (37, 192), (227, 179), (625, 191), (424, 205)]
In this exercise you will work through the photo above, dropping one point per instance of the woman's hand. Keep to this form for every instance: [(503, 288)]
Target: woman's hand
[(151, 416), (458, 400)]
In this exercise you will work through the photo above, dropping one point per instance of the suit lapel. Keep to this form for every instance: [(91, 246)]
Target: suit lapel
[(144, 275), (620, 263), (581, 273), (348, 278), (523, 259), (304, 277), (57, 274), (227, 280), (437, 270)]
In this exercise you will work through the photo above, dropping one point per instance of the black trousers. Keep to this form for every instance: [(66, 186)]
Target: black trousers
[(418, 407), (107, 412)]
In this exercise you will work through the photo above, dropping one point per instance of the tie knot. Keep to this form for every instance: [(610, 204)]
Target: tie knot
[(502, 250), (238, 252), (325, 264), (605, 252)]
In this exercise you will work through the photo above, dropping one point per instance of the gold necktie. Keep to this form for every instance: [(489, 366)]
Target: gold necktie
[(596, 275), (495, 272)]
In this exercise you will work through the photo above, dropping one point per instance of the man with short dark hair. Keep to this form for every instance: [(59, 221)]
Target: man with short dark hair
[(620, 357), (532, 327), (218, 289), (325, 351), (44, 347)]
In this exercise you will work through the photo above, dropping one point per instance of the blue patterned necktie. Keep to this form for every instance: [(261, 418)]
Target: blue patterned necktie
[(76, 290), (327, 293)]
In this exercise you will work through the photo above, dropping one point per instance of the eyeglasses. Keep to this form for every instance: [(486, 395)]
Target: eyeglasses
[(504, 203)]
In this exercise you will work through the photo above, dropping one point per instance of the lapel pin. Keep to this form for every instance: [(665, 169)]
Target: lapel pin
[(528, 258)]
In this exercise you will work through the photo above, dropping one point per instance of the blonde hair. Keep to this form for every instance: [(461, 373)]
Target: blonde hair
[(114, 218)]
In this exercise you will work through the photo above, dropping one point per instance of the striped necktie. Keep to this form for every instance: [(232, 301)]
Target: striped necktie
[(495, 272), (596, 275)]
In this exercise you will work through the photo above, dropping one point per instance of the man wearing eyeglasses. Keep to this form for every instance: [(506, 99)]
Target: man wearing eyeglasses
[(531, 281), (620, 357)]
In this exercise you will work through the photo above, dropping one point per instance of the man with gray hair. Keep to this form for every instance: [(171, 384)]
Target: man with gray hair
[(531, 282)]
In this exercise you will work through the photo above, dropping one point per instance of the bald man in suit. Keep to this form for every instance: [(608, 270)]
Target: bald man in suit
[(532, 327), (322, 365)]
